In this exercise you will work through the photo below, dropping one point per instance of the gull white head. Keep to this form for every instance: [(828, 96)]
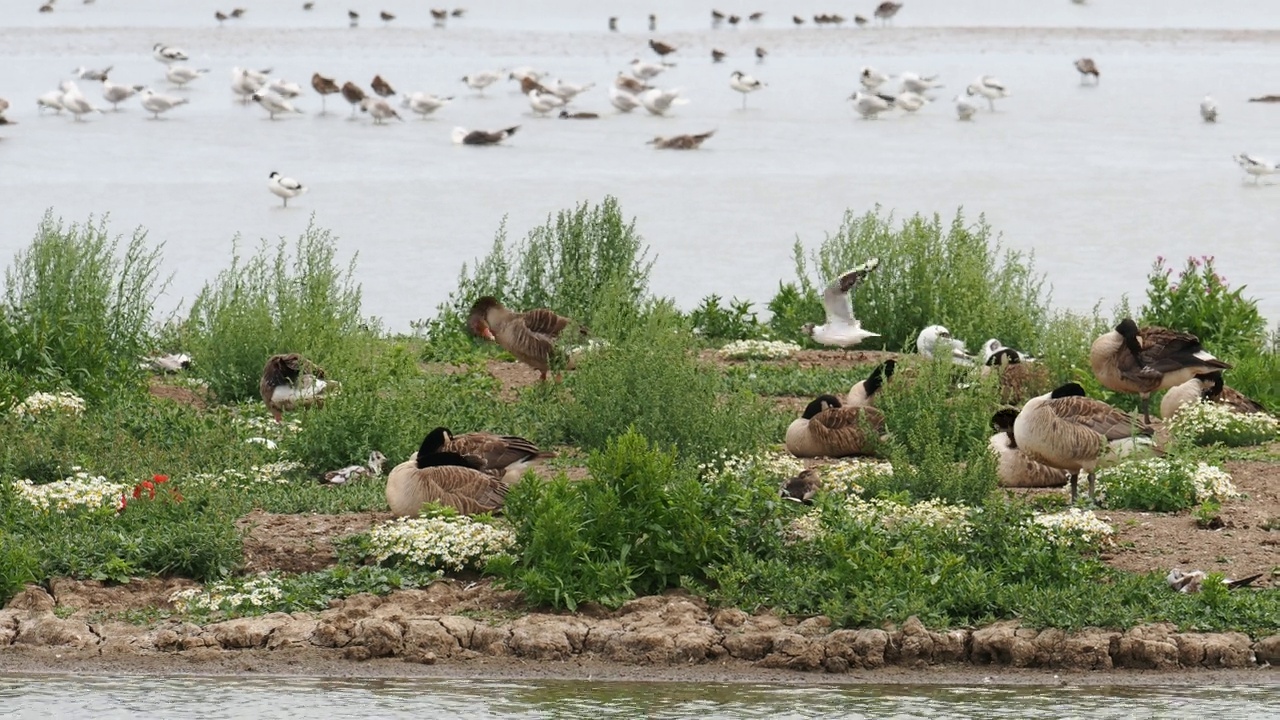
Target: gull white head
[(459, 133), (936, 341)]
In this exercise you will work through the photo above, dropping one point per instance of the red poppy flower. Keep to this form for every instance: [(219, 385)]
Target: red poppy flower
[(161, 478)]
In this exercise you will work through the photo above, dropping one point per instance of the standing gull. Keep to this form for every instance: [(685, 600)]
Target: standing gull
[(51, 100), (284, 187), (842, 329), (74, 101), (481, 80), (85, 73), (156, 103), (379, 110), (425, 103), (623, 100), (284, 88), (167, 55), (1086, 67), (543, 103), (1253, 165), (180, 75), (644, 70), (871, 78), (462, 136), (658, 102), (116, 94), (744, 84), (1209, 109), (912, 82), (273, 103), (869, 106)]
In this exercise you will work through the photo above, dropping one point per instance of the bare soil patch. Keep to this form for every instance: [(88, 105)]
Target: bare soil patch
[(298, 543), (163, 388), (94, 596)]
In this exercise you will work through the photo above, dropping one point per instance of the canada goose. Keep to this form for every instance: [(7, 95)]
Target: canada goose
[(863, 392), (936, 341), (1208, 387), (1066, 430), (1020, 376), (530, 336), (484, 451), (1015, 468), (1142, 361), (681, 142), (290, 381), (802, 487), (1087, 67), (828, 429), (350, 473), (444, 478)]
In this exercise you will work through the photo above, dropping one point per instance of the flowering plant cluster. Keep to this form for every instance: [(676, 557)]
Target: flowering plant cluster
[(846, 476), (42, 403), (235, 595), (772, 465), (148, 488), (1163, 484), (1201, 302), (265, 431), (79, 491), (899, 518), (267, 473), (1075, 526), (454, 542), (758, 349), (1206, 423)]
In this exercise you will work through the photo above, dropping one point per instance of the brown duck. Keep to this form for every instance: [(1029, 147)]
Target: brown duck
[(291, 381), (530, 336), (1137, 360), (828, 429), (444, 478)]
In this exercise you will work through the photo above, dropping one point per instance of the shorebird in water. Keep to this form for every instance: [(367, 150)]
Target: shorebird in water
[(462, 136), (481, 80), (353, 94), (156, 103), (284, 187), (744, 84), (425, 103), (1086, 67), (1209, 109), (180, 75), (325, 87), (886, 10), (989, 88), (1255, 166), (681, 142)]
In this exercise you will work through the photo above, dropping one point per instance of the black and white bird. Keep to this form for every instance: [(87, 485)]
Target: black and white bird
[(85, 73), (168, 55), (869, 106), (351, 473), (989, 88), (1255, 166), (273, 103), (745, 84), (936, 341), (462, 136), (841, 328), (284, 187)]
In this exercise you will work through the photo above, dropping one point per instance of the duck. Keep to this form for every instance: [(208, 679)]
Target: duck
[(1144, 360), (936, 341), (1014, 468), (372, 468), (290, 381), (863, 392), (829, 429), (444, 478), (1065, 429), (802, 487), (1207, 387), (531, 335), (485, 451), (1020, 376)]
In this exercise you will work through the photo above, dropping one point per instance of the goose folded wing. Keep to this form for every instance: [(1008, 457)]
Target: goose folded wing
[(1169, 350), (849, 419), (1097, 416), (545, 322), (470, 491)]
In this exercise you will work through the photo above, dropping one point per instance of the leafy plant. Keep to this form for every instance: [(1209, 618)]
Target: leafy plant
[(712, 321), (1201, 302)]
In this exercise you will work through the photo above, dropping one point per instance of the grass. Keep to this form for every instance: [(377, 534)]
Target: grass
[(663, 507)]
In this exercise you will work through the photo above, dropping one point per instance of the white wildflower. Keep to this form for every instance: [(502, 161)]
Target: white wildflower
[(1074, 525), (81, 490), (847, 476), (1205, 423), (449, 543), (238, 594), (1213, 483), (42, 403), (1209, 482), (759, 349), (892, 515), (772, 465), (268, 443)]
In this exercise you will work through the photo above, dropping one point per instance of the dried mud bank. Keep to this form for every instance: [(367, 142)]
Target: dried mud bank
[(473, 626)]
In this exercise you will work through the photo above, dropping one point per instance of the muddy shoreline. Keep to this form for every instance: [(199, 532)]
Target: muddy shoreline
[(456, 630)]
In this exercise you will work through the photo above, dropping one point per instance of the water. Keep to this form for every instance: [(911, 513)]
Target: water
[(175, 698), (1095, 181)]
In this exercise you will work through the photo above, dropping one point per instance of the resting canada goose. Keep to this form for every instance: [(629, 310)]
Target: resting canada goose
[(1066, 430), (827, 429), (446, 479), (291, 381), (802, 487), (350, 473), (1020, 376), (863, 392), (484, 451), (530, 336), (1208, 387), (1015, 468), (1137, 360)]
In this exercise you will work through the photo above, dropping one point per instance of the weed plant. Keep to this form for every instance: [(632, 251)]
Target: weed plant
[(1199, 301), (713, 321)]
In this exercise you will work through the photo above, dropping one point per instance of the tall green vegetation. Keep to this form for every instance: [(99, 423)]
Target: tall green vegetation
[(954, 274), (77, 310), (277, 300), (1199, 301)]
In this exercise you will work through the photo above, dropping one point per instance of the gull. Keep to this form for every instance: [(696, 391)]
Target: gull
[(156, 103), (51, 100), (273, 103), (1086, 67), (246, 82), (167, 55), (744, 84), (680, 142), (625, 82), (168, 363), (965, 109), (910, 101), (481, 80), (180, 75), (379, 110), (85, 73), (623, 100), (658, 102), (842, 329), (74, 101), (936, 341), (284, 187), (871, 78), (462, 136), (324, 86), (353, 18), (661, 48), (352, 93), (912, 82), (1209, 109), (116, 94), (4, 105), (284, 88), (886, 10), (543, 103), (869, 106), (644, 70), (568, 91), (382, 87), (529, 83), (1253, 165), (524, 71), (425, 103), (989, 88)]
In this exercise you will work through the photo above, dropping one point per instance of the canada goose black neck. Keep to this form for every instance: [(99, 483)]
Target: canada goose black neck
[(1211, 384), (1070, 389), (433, 443), (442, 459), (882, 372), (1128, 330), (820, 403), (1003, 421)]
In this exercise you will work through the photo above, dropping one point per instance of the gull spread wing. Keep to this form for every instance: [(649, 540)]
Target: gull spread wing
[(836, 298)]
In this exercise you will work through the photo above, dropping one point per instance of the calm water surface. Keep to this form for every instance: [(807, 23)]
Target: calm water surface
[(1095, 181), (216, 698)]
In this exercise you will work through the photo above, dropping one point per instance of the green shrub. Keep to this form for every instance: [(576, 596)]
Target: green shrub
[(576, 264), (930, 273), (712, 321), (1200, 302), (275, 301), (1258, 377), (77, 310), (790, 309)]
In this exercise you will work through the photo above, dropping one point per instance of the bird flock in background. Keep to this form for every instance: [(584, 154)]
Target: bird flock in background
[(633, 88)]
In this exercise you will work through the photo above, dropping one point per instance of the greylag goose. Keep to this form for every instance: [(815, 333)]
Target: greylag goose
[(530, 336)]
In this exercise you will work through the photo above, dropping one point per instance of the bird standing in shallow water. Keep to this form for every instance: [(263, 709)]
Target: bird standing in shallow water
[(744, 84), (1086, 67), (324, 87), (1209, 109), (284, 188)]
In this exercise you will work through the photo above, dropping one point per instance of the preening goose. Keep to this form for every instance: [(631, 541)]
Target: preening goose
[(484, 451), (1066, 430), (1207, 387), (828, 429), (1015, 468), (1137, 360), (530, 336), (443, 478), (863, 392), (291, 381), (842, 329)]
